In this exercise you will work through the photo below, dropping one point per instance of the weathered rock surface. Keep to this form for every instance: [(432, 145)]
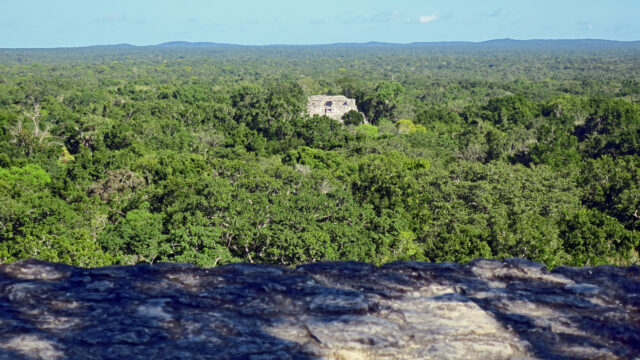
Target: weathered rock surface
[(484, 310)]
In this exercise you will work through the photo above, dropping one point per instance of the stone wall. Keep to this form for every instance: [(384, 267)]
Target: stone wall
[(484, 310), (332, 106)]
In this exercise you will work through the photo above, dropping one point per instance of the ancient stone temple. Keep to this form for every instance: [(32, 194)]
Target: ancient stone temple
[(333, 106)]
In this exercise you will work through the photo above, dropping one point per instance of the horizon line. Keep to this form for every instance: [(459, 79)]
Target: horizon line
[(178, 43)]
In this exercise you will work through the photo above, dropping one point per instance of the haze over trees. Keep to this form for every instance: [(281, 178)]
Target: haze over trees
[(202, 154)]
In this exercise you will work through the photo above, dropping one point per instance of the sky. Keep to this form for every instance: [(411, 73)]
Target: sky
[(69, 23)]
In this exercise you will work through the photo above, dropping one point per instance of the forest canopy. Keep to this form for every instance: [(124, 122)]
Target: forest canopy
[(120, 155)]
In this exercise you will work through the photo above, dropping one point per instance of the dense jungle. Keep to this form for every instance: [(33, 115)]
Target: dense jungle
[(203, 153)]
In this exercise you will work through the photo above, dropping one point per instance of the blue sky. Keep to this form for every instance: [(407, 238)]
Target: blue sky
[(61, 23)]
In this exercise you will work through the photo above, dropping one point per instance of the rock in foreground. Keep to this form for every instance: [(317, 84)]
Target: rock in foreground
[(483, 310)]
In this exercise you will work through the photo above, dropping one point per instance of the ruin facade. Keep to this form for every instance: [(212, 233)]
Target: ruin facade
[(333, 106)]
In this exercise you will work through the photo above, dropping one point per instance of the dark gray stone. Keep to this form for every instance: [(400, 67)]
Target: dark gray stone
[(339, 310)]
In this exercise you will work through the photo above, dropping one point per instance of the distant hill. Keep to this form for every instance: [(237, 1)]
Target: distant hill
[(123, 45), (577, 44), (497, 44), (192, 44), (506, 44)]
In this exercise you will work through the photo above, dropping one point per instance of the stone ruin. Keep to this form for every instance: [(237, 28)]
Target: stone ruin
[(487, 309), (333, 106)]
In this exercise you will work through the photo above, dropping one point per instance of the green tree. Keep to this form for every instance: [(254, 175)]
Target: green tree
[(37, 224), (383, 101), (593, 238), (137, 237), (353, 117)]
